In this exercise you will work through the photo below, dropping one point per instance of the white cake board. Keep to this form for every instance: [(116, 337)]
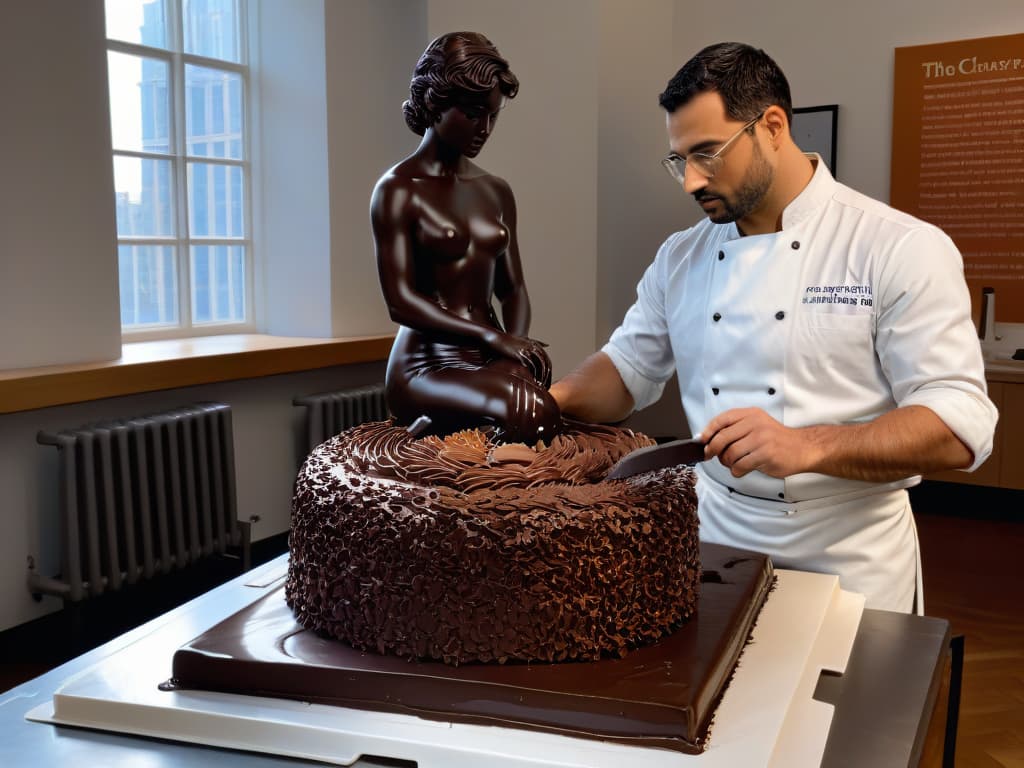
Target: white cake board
[(766, 718)]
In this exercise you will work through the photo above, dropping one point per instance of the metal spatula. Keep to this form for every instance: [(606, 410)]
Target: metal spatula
[(653, 457)]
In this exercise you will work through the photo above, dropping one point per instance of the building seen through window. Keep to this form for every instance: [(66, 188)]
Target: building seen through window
[(178, 97)]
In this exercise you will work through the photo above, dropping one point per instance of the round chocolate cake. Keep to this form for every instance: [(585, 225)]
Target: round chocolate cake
[(461, 550)]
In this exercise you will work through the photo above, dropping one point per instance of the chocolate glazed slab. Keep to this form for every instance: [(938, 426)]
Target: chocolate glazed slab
[(661, 695)]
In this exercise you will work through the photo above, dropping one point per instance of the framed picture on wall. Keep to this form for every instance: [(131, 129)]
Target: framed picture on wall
[(814, 130)]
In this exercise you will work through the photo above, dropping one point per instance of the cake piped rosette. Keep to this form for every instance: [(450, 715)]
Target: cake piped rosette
[(463, 550)]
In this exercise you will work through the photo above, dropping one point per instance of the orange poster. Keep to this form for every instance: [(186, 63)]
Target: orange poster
[(958, 155)]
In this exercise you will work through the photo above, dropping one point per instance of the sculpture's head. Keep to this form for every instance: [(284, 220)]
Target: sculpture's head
[(459, 72)]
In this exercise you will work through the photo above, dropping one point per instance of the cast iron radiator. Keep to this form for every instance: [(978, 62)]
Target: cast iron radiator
[(142, 497), (329, 413)]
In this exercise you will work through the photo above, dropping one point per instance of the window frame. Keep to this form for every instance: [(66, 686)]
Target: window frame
[(183, 241)]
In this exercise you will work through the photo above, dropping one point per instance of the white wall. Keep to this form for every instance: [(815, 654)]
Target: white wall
[(291, 201), (639, 205), (371, 47), (545, 146), (58, 258), (332, 79)]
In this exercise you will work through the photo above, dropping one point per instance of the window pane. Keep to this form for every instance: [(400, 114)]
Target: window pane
[(137, 21), (139, 103), (211, 29), (149, 286), (144, 197), (218, 283), (213, 115), (215, 200), (146, 92)]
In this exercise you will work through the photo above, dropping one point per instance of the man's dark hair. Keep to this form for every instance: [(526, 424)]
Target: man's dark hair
[(454, 66), (747, 78)]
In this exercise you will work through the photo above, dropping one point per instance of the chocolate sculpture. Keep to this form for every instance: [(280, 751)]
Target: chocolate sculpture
[(445, 235)]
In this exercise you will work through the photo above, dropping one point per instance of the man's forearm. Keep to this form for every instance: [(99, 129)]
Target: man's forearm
[(594, 392), (904, 442)]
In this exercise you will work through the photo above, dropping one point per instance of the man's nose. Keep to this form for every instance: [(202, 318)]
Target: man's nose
[(693, 179)]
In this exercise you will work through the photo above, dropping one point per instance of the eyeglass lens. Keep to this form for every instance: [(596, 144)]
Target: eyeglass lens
[(705, 164)]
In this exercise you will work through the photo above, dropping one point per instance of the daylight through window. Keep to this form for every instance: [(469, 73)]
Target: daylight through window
[(179, 85)]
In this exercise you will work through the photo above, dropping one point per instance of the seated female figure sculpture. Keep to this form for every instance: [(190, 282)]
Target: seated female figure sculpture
[(445, 236)]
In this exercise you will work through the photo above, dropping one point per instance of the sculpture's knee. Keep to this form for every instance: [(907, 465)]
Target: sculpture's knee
[(532, 415)]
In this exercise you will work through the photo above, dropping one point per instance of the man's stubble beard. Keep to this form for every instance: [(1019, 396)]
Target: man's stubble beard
[(756, 183)]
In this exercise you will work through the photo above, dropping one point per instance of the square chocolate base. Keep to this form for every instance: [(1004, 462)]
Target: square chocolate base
[(661, 695)]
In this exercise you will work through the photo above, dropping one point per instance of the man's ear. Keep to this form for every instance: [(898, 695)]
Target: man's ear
[(776, 122)]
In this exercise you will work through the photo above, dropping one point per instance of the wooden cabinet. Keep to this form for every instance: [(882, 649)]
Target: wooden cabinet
[(1011, 419), (1004, 468)]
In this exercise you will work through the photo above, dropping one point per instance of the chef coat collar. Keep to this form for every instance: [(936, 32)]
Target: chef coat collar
[(819, 190)]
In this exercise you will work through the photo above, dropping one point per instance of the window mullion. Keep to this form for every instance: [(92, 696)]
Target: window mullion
[(181, 167), (138, 49), (211, 257), (142, 154), (229, 161), (252, 168), (169, 240), (135, 291), (214, 240), (203, 61)]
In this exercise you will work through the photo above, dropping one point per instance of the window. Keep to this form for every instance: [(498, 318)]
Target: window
[(179, 100)]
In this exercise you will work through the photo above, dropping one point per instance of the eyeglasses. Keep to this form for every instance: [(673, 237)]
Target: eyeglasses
[(706, 165)]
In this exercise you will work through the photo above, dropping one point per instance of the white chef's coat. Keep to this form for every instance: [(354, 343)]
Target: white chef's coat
[(849, 311)]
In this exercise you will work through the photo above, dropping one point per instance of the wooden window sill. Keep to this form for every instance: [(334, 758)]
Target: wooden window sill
[(148, 366)]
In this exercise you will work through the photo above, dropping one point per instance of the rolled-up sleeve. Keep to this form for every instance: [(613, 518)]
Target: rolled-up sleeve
[(926, 340), (641, 348)]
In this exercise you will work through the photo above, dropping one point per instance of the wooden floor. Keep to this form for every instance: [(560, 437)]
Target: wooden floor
[(974, 576)]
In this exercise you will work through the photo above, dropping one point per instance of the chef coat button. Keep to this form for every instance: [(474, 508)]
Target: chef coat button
[(730, 489), (721, 255), (795, 245), (771, 390), (716, 317), (714, 390), (779, 315), (782, 495)]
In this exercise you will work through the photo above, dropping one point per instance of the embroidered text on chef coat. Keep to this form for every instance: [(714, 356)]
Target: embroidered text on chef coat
[(838, 296)]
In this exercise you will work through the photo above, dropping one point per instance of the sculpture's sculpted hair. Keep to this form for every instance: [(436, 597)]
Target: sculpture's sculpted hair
[(452, 66), (747, 79)]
